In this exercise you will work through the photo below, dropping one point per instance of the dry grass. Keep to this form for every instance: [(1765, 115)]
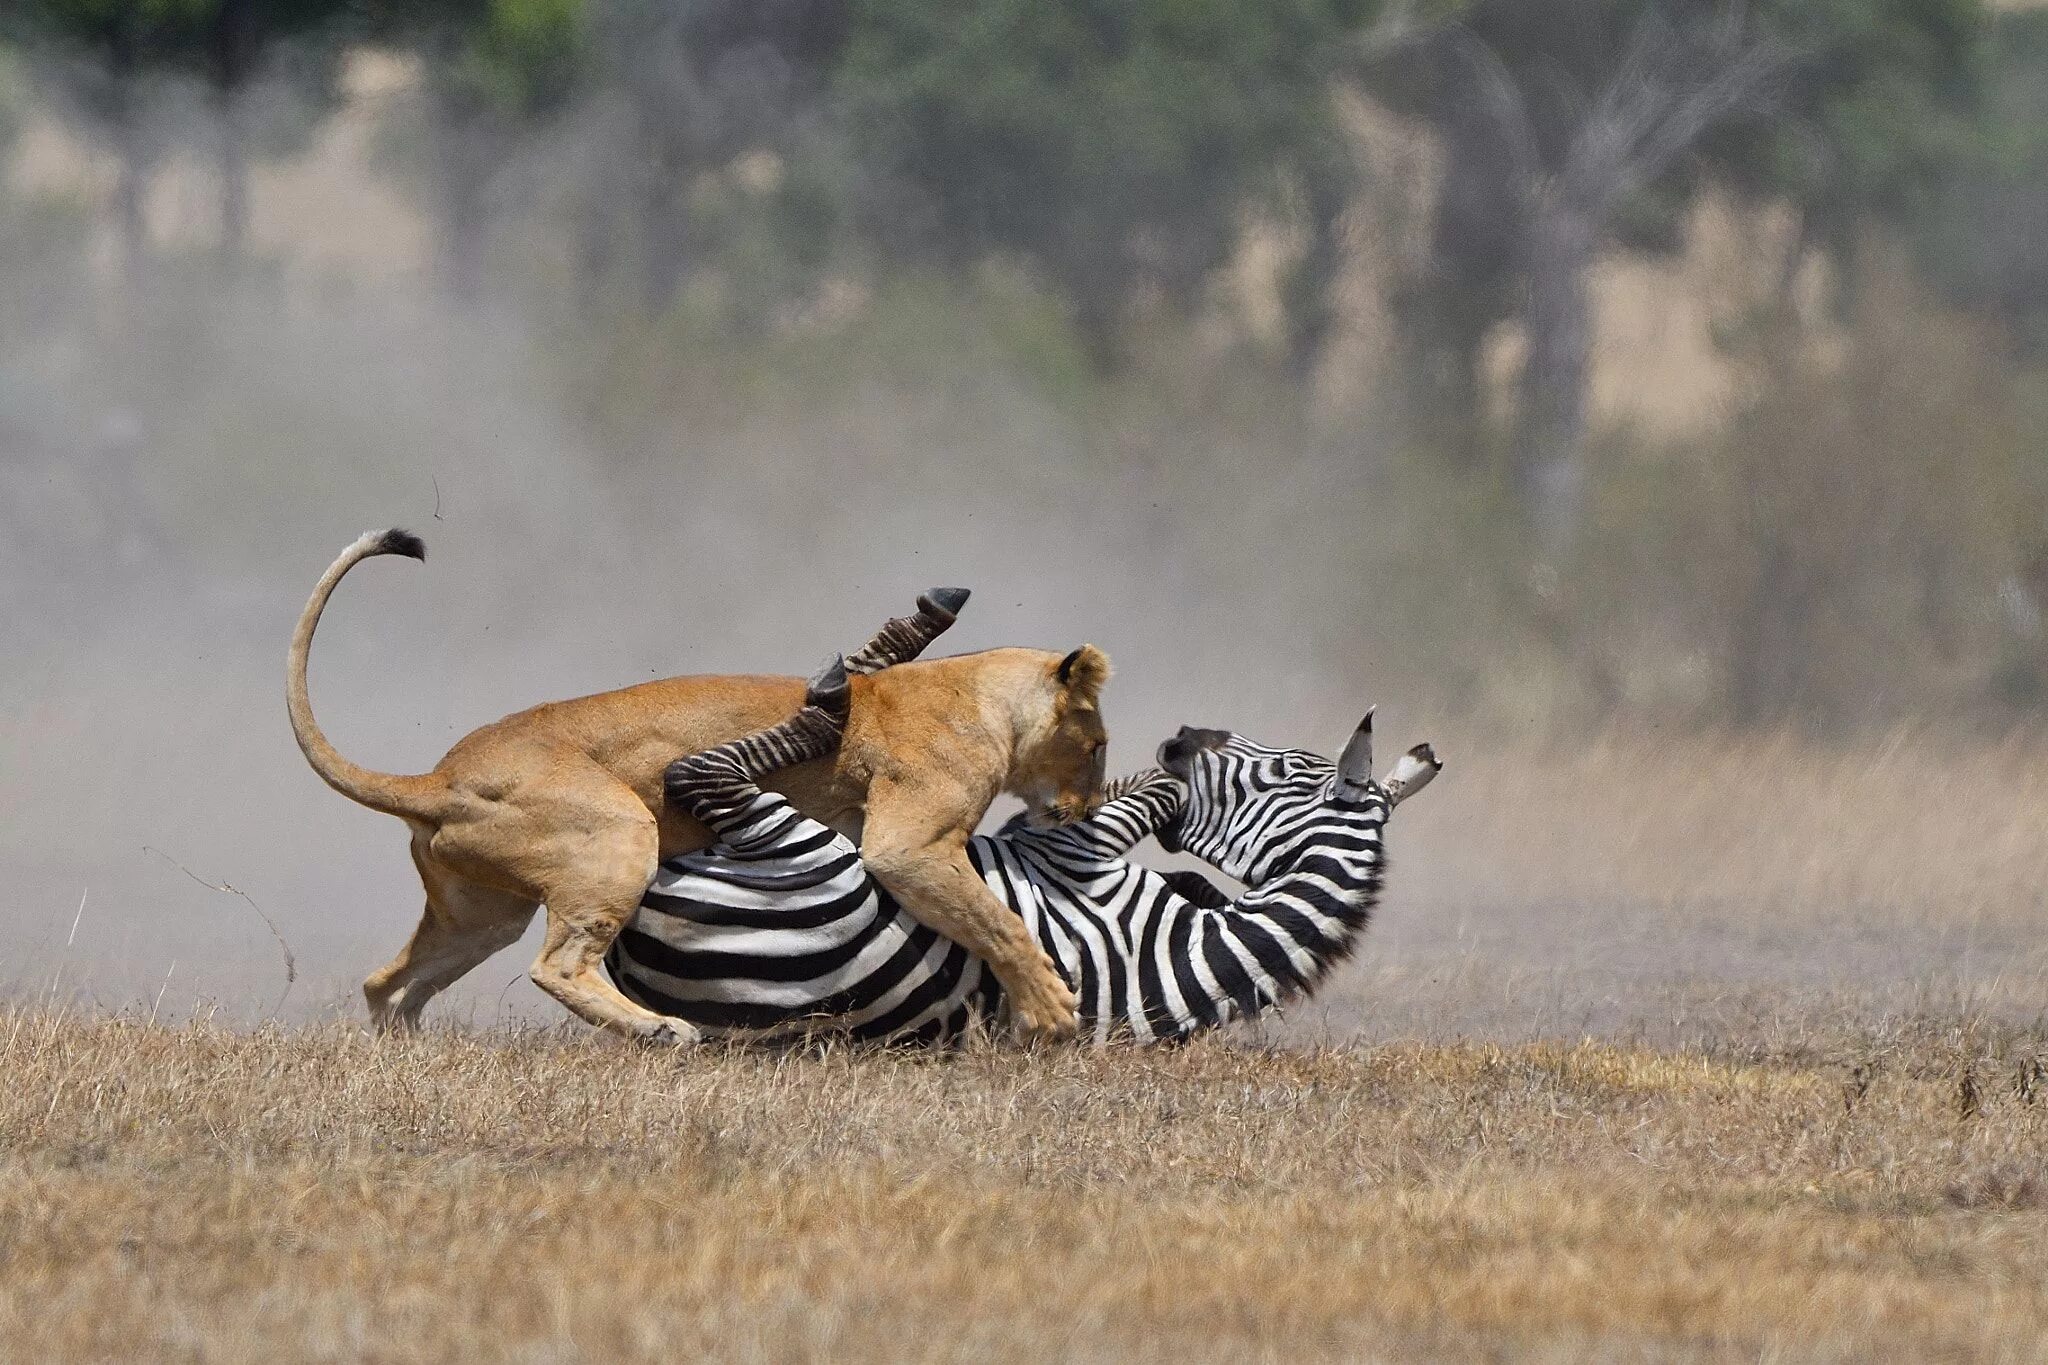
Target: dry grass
[(198, 1192)]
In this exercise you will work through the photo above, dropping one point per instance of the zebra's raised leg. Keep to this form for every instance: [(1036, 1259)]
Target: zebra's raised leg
[(1132, 807), (720, 786), (905, 637)]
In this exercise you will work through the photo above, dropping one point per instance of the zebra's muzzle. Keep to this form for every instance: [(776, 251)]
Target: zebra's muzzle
[(1177, 753)]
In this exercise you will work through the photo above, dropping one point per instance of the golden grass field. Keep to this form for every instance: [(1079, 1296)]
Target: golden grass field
[(1730, 1051), (195, 1192)]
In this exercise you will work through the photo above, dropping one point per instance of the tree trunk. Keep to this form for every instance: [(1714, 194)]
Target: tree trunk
[(1764, 666), (463, 226), (1310, 296), (1444, 334), (596, 249), (131, 189), (1749, 688), (664, 246), (131, 178), (232, 50), (1095, 320), (468, 153), (1549, 472), (234, 173)]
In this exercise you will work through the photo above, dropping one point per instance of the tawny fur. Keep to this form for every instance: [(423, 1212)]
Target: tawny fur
[(562, 804)]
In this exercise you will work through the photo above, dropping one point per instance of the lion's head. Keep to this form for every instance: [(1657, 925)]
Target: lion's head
[(1060, 764)]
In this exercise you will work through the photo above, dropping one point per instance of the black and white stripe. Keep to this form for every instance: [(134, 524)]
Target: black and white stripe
[(778, 927)]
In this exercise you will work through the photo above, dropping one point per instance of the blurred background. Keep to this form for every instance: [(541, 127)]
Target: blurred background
[(1645, 401)]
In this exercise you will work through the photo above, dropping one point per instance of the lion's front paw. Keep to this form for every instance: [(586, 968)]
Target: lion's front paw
[(1047, 1011), (671, 1033)]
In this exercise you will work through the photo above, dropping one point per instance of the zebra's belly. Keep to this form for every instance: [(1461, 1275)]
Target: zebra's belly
[(737, 949), (811, 942)]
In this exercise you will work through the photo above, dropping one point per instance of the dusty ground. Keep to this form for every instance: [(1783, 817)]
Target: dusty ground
[(195, 1192)]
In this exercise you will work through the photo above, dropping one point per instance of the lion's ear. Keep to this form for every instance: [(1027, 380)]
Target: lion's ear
[(1084, 672)]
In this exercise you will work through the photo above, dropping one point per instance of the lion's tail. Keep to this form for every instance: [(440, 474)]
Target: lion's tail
[(422, 797)]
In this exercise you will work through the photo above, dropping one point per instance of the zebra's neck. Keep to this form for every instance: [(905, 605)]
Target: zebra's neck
[(1314, 911), (1191, 965)]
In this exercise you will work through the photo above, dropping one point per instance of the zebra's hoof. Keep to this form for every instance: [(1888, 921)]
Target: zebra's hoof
[(944, 603), (828, 688)]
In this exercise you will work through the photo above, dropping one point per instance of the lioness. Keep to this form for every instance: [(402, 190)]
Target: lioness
[(562, 805)]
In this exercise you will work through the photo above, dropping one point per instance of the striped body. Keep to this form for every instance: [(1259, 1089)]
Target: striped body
[(778, 926)]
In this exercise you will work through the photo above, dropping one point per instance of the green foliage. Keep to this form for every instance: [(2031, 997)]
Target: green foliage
[(1879, 91), (1981, 237), (518, 57), (1839, 547), (1883, 96), (1875, 97), (1113, 146), (219, 38)]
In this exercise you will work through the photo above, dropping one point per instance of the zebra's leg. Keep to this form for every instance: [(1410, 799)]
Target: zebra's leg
[(905, 637), (720, 787), (1132, 807)]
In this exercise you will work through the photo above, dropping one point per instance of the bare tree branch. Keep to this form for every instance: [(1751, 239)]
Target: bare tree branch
[(291, 965), (1629, 105), (1669, 89), (1739, 84), (1505, 104), (1396, 30)]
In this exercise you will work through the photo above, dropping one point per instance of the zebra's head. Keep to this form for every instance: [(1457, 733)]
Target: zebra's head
[(1251, 810)]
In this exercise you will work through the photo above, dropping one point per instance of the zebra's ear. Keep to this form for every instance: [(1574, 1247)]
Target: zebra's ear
[(1354, 766), (1412, 772)]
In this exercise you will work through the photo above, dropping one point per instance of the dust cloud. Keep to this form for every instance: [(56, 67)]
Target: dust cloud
[(184, 455)]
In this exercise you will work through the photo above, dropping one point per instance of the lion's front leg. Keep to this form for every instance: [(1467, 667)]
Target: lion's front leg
[(915, 845)]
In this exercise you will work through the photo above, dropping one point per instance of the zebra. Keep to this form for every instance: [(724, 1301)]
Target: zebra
[(776, 929)]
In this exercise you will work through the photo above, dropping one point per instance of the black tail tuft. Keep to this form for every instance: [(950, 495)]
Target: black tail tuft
[(397, 542)]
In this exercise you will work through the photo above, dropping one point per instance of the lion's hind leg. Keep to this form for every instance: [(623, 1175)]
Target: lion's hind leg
[(462, 925), (588, 847)]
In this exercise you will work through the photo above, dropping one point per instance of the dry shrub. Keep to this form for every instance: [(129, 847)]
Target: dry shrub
[(2001, 1189), (1844, 551)]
